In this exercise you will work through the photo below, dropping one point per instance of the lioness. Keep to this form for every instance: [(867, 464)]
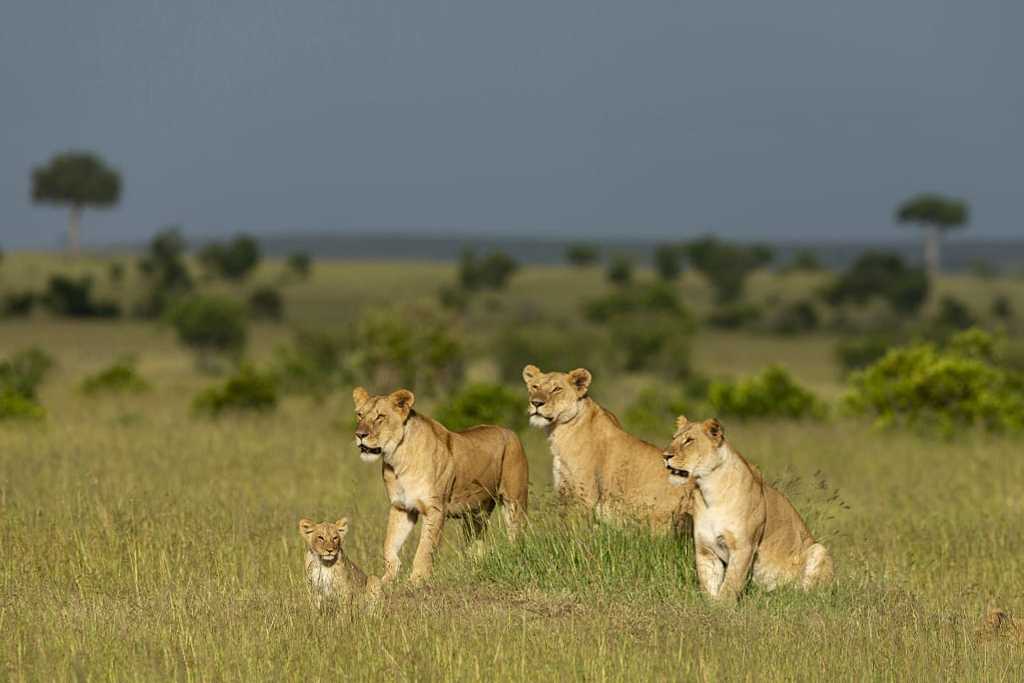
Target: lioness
[(436, 473), (330, 573), (739, 521), (596, 463)]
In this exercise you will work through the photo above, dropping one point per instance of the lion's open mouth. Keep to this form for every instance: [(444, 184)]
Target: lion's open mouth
[(678, 473), (363, 448)]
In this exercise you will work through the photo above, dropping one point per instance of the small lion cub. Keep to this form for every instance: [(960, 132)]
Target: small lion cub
[(331, 574), (741, 525)]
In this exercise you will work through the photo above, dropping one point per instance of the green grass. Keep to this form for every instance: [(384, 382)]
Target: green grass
[(140, 543)]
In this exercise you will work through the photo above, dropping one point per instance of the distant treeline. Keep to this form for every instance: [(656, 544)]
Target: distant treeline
[(959, 255)]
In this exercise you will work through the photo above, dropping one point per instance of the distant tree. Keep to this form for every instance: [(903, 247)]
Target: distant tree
[(804, 260), (209, 325), (490, 272), (726, 265), (581, 254), (1002, 308), (667, 259), (883, 275), (232, 260), (620, 270), (299, 264), (76, 179), (936, 214), (163, 267)]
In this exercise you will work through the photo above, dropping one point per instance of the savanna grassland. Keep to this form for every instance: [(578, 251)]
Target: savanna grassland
[(141, 542)]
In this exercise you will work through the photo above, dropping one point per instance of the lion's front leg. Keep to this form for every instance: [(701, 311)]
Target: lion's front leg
[(430, 536), (710, 570), (400, 525), (740, 559)]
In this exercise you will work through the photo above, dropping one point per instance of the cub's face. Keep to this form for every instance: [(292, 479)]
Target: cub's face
[(325, 538), (381, 421), (554, 396), (695, 449)]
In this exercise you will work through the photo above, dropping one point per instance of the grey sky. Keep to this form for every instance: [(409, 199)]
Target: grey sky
[(782, 119)]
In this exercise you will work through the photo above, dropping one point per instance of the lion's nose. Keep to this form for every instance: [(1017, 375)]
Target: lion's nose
[(536, 403), (667, 455), (362, 434)]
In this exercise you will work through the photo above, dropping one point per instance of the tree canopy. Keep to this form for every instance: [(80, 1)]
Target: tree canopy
[(934, 210), (76, 178)]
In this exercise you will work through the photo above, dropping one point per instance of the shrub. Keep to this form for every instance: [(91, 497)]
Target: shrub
[(209, 324), (312, 365), (115, 273), (19, 304), (654, 410), (232, 260), (247, 390), (1001, 308), (265, 303), (656, 298), (490, 272), (620, 270), (922, 385), (20, 377), (72, 297), (803, 261), (953, 315), (881, 275), (652, 342), (300, 264), (734, 315), (561, 348), (453, 298), (15, 406), (667, 259), (796, 318), (581, 254), (772, 393), (163, 268), (483, 404), (119, 378), (412, 347), (725, 265)]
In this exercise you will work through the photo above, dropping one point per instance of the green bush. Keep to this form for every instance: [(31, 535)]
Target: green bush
[(481, 403), (490, 272), (1001, 308), (313, 365), (300, 264), (859, 352), (772, 393), (667, 261), (796, 318), (652, 342), (20, 377), (881, 275), (620, 270), (582, 254), (733, 316), (231, 260), (120, 377), (549, 347), (164, 271), (953, 314), (265, 303), (961, 384), (72, 297), (15, 406), (655, 298), (726, 265), (209, 324), (654, 410), (248, 390), (19, 304)]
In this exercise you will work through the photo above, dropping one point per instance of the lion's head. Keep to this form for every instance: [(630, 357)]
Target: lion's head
[(381, 425), (325, 538), (555, 396), (695, 449)]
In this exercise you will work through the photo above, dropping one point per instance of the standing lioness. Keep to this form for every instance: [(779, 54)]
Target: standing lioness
[(436, 473), (596, 463), (739, 521)]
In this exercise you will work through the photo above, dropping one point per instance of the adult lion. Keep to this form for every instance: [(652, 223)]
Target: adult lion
[(435, 473), (596, 463)]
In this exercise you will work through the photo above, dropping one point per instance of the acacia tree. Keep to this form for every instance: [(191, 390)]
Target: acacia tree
[(77, 179), (936, 214)]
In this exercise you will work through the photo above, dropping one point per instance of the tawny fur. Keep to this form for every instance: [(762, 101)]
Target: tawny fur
[(741, 525), (331, 575), (432, 473), (596, 463)]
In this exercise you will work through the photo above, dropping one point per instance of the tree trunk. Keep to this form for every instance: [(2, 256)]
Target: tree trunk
[(76, 214), (932, 247)]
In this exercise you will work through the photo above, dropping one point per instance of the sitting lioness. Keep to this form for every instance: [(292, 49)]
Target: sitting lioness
[(739, 521), (330, 573), (596, 463), (435, 473)]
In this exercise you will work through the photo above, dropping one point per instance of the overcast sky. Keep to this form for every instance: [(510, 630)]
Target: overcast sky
[(771, 120)]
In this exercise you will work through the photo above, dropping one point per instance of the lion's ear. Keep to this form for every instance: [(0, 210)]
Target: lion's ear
[(342, 525), (530, 372), (306, 527), (715, 431), (360, 396), (580, 378), (403, 400), (681, 422)]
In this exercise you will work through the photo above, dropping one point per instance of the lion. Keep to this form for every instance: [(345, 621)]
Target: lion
[(434, 473), (597, 464), (740, 523), (330, 573)]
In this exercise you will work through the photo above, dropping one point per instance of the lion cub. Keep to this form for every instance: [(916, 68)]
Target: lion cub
[(740, 522), (331, 574)]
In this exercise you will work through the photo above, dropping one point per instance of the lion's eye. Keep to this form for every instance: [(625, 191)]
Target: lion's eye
[(320, 538), (556, 390), (359, 416), (380, 418), (337, 540)]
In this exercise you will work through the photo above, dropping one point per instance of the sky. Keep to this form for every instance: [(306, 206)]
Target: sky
[(782, 120)]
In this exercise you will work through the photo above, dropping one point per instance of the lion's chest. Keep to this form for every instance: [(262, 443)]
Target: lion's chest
[(712, 528), (409, 493), (322, 579)]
